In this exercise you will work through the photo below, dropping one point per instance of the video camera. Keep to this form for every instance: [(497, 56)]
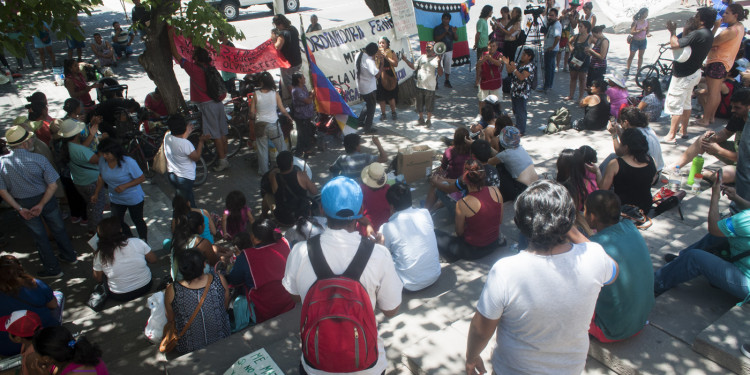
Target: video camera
[(535, 10)]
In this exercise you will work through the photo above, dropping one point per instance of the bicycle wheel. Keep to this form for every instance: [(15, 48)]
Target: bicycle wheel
[(209, 149), (136, 152), (645, 72), (234, 141), (201, 172)]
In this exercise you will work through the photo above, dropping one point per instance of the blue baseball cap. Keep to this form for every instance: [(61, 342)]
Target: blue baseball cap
[(342, 198)]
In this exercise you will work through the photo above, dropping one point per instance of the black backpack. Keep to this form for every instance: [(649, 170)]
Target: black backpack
[(215, 88)]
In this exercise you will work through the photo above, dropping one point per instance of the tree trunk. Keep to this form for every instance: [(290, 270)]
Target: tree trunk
[(157, 59), (378, 7)]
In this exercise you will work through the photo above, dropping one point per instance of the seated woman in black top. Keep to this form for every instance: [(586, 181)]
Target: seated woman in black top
[(631, 174), (289, 186), (596, 107)]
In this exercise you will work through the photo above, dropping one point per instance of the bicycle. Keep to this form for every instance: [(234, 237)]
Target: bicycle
[(193, 115), (661, 67)]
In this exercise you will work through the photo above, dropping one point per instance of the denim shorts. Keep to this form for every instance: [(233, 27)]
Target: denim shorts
[(636, 45)]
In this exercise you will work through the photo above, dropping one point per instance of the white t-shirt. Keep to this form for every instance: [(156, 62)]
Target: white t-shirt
[(410, 236), (366, 81), (555, 31), (654, 147), (427, 72), (176, 150), (545, 305), (265, 106), (308, 230), (379, 278), (129, 270)]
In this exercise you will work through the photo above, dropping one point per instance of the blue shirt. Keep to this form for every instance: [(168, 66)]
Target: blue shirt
[(25, 174), (123, 174), (447, 39), (34, 299)]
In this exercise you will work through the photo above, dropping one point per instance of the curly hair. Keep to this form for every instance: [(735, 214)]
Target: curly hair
[(13, 277), (545, 213), (473, 173)]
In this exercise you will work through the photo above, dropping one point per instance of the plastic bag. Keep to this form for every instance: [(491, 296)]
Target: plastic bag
[(155, 326)]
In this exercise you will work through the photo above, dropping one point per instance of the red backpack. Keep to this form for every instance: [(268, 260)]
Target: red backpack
[(338, 328)]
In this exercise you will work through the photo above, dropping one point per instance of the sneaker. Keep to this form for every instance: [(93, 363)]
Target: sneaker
[(71, 262), (428, 122), (221, 165), (420, 121), (448, 84), (382, 117), (44, 274), (393, 115), (669, 257), (75, 220), (745, 349), (83, 222)]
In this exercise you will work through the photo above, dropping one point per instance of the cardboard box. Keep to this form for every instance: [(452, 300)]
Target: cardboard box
[(414, 162)]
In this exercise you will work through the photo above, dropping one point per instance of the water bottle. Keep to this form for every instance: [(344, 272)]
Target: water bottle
[(675, 179), (695, 168)]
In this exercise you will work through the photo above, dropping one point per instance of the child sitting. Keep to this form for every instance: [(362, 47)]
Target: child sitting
[(21, 326)]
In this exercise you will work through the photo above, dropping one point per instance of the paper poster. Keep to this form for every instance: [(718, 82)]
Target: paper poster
[(404, 20), (258, 362)]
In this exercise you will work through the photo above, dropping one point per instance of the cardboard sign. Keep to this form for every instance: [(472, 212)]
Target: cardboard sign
[(414, 162), (238, 60), (336, 50), (258, 362), (404, 20)]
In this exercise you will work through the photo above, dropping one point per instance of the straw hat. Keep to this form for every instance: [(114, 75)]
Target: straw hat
[(617, 78), (70, 128), (16, 135), (374, 176)]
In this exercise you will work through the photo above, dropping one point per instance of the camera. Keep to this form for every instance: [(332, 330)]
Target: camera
[(535, 10)]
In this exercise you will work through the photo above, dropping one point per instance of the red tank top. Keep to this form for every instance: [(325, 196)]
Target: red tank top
[(267, 266), (484, 227)]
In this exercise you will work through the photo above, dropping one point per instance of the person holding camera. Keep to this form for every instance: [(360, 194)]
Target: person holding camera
[(552, 36)]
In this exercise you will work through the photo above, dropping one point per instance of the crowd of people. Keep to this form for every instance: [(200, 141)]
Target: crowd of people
[(579, 270)]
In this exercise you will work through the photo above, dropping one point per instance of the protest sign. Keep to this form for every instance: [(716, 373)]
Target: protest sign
[(238, 60), (336, 49), (258, 362), (404, 21)]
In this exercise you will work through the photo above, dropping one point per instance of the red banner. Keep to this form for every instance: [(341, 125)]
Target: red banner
[(238, 60)]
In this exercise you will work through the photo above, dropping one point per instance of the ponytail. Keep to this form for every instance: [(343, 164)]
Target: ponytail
[(59, 344)]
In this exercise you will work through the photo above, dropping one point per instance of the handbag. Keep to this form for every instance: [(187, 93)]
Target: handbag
[(169, 342), (630, 39), (98, 297), (636, 215), (388, 81), (160, 160)]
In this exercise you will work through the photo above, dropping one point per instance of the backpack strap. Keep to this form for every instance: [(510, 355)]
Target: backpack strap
[(318, 261), (358, 264), (356, 267)]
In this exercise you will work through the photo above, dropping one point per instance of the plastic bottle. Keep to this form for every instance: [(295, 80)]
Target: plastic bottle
[(696, 167), (675, 179)]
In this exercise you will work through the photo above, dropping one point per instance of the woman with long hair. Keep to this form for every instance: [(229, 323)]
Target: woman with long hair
[(304, 111), (123, 260), (266, 101), (61, 353), (652, 103), (631, 174), (579, 60), (638, 33), (237, 215), (187, 235), (389, 62), (452, 163), (21, 291), (596, 108), (41, 122), (721, 57), (76, 84), (511, 33), (181, 207), (598, 53), (260, 268), (124, 177), (571, 171)]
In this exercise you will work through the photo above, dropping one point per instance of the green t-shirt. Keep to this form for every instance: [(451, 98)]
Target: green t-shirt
[(484, 33), (623, 306), (81, 171), (737, 230)]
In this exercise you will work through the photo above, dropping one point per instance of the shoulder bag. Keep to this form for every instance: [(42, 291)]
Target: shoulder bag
[(160, 160), (169, 342)]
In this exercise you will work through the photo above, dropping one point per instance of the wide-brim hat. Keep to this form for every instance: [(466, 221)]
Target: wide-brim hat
[(510, 137), (16, 135), (20, 120), (374, 175), (342, 198), (617, 78), (71, 127)]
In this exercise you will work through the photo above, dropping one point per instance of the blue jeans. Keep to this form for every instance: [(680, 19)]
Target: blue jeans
[(51, 216), (183, 187), (695, 261), (120, 48), (549, 69), (368, 112), (519, 110)]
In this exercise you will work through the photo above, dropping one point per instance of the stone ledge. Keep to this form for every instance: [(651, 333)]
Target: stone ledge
[(722, 340)]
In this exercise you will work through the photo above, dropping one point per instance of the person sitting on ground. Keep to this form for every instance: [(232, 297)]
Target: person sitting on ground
[(181, 207), (631, 174), (21, 291), (352, 163), (121, 40), (237, 215), (540, 301), (452, 163), (652, 103), (154, 103), (311, 224), (571, 171), (596, 108), (260, 268), (61, 353), (111, 111), (21, 326), (623, 307), (123, 260), (478, 218), (632, 117), (514, 165), (375, 209), (720, 256), (717, 143), (617, 93), (187, 235), (211, 324), (409, 235), (428, 68), (290, 187), (103, 51)]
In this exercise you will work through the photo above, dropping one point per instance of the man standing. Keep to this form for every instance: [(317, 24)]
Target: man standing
[(212, 112), (447, 34), (367, 71), (121, 40), (551, 47), (288, 44), (686, 75), (337, 246), (28, 184), (428, 68), (623, 306)]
